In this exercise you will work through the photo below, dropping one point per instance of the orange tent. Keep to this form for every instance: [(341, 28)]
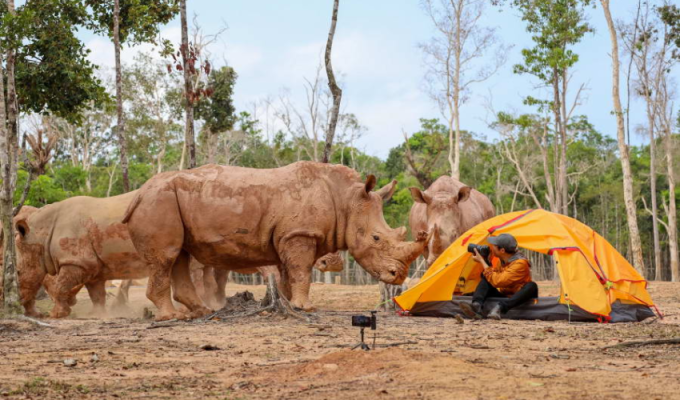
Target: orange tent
[(593, 274)]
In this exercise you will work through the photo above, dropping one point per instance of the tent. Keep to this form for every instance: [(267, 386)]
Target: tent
[(595, 279)]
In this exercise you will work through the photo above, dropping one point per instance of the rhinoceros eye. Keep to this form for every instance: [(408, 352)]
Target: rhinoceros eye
[(376, 237)]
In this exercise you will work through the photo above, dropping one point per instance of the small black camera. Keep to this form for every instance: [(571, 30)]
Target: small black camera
[(484, 251), (363, 321)]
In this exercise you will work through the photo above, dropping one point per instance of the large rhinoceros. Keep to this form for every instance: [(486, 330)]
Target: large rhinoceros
[(82, 241), (245, 218), (450, 206)]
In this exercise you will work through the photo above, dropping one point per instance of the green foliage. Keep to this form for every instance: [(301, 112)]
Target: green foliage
[(555, 26), (670, 16), (44, 190), (52, 70), (217, 110), (139, 19)]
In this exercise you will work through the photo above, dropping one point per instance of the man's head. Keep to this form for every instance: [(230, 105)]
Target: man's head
[(503, 246)]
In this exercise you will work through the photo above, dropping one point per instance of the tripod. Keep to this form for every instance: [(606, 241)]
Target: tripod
[(361, 344)]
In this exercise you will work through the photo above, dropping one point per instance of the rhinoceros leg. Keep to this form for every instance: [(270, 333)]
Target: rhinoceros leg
[(158, 291), (211, 298), (221, 276), (28, 295), (97, 292), (184, 290), (70, 277), (284, 282), (298, 255), (158, 237), (31, 310)]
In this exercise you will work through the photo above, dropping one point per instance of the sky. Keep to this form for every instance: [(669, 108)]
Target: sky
[(275, 45)]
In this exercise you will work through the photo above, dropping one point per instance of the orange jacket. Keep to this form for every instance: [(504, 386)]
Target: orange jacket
[(509, 278)]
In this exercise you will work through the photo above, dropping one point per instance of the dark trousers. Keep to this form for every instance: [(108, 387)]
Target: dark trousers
[(485, 290)]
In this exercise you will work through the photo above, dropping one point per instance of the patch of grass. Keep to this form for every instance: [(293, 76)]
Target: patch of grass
[(230, 395), (39, 386)]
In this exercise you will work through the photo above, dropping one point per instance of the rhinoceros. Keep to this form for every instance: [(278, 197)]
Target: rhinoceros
[(245, 218), (82, 241), (447, 209)]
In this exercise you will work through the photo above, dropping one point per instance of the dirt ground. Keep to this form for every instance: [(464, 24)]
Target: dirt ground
[(266, 357)]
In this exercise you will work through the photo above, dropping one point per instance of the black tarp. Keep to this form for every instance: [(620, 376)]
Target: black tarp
[(543, 308)]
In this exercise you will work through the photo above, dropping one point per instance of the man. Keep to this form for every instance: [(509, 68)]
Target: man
[(511, 280)]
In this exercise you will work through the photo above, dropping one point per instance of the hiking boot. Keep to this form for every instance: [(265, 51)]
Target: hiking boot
[(473, 311), (495, 312)]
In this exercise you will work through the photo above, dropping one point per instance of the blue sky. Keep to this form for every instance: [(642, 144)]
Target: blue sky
[(276, 44)]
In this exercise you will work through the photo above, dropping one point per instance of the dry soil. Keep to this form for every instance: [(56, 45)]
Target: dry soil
[(265, 357)]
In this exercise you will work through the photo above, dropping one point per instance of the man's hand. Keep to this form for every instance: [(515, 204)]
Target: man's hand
[(478, 257)]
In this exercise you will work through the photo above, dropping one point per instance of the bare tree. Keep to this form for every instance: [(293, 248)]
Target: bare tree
[(649, 66), (86, 141), (636, 244), (334, 89), (451, 55), (666, 112), (522, 161), (42, 151), (306, 125)]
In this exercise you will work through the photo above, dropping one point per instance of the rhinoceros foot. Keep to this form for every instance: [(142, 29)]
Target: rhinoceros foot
[(35, 314), (303, 306), (60, 312), (168, 316), (199, 313)]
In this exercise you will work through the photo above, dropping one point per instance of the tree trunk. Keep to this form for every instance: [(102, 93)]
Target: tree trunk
[(672, 212), (652, 182), (119, 98), (332, 85), (636, 245), (458, 49), (558, 143), (564, 184), (188, 89), (9, 146)]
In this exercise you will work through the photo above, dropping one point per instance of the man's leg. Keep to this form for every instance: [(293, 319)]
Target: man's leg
[(483, 291), (526, 293)]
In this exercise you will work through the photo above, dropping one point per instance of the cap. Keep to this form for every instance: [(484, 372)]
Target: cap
[(505, 241)]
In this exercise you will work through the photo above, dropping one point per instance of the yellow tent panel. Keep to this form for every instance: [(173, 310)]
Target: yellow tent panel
[(593, 274)]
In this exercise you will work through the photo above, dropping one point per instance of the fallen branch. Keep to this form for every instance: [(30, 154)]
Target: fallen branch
[(643, 343), (165, 324), (395, 344), (34, 321), (377, 345)]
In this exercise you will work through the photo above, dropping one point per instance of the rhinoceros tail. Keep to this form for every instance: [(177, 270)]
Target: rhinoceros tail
[(131, 208)]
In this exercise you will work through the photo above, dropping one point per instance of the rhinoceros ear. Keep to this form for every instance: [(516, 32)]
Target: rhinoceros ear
[(21, 226), (370, 183), (420, 196), (464, 193), (387, 191)]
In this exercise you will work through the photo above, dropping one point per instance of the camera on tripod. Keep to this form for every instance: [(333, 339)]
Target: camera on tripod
[(363, 321)]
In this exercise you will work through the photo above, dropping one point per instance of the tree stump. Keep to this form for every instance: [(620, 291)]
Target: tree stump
[(275, 302)]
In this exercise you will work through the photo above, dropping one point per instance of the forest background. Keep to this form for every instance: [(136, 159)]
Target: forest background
[(86, 129)]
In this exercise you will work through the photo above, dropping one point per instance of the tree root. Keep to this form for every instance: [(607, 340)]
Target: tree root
[(272, 303)]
